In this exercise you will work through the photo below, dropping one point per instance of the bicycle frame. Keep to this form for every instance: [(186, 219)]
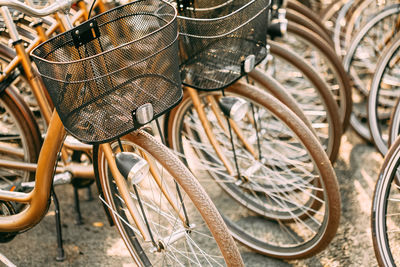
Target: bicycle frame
[(38, 89)]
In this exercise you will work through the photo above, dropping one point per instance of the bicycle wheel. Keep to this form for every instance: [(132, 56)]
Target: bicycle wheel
[(311, 92), (384, 94), (385, 217), (322, 58), (205, 241), (361, 59), (20, 139), (351, 16), (292, 214)]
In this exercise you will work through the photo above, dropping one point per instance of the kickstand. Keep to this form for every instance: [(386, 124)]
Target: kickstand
[(60, 249), (78, 218), (89, 195)]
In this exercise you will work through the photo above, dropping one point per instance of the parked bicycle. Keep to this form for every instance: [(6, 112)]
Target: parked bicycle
[(243, 144), (161, 224)]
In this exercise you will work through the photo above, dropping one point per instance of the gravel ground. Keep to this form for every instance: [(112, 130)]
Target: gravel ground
[(96, 244)]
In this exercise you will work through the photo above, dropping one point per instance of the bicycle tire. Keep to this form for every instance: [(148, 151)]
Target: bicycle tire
[(377, 95), (216, 185), (191, 191), (383, 216), (330, 136), (341, 19), (360, 92)]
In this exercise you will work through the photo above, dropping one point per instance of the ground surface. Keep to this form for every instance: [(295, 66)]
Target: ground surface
[(96, 244)]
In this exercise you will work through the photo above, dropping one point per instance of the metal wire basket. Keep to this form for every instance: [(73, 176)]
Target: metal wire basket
[(220, 39), (115, 72)]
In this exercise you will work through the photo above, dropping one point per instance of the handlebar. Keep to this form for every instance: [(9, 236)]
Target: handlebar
[(59, 5)]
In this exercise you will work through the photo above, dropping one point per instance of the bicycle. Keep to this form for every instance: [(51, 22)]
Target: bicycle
[(105, 172), (332, 140), (314, 248), (128, 214), (233, 135)]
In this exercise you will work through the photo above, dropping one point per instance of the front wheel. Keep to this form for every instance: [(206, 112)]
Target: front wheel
[(185, 226), (268, 175)]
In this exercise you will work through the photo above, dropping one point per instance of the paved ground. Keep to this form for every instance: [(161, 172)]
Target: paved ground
[(97, 244)]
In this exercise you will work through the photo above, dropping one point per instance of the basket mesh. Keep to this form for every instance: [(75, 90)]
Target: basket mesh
[(129, 59), (216, 36)]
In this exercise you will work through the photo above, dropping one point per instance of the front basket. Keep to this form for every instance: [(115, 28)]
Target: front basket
[(101, 72), (217, 37)]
